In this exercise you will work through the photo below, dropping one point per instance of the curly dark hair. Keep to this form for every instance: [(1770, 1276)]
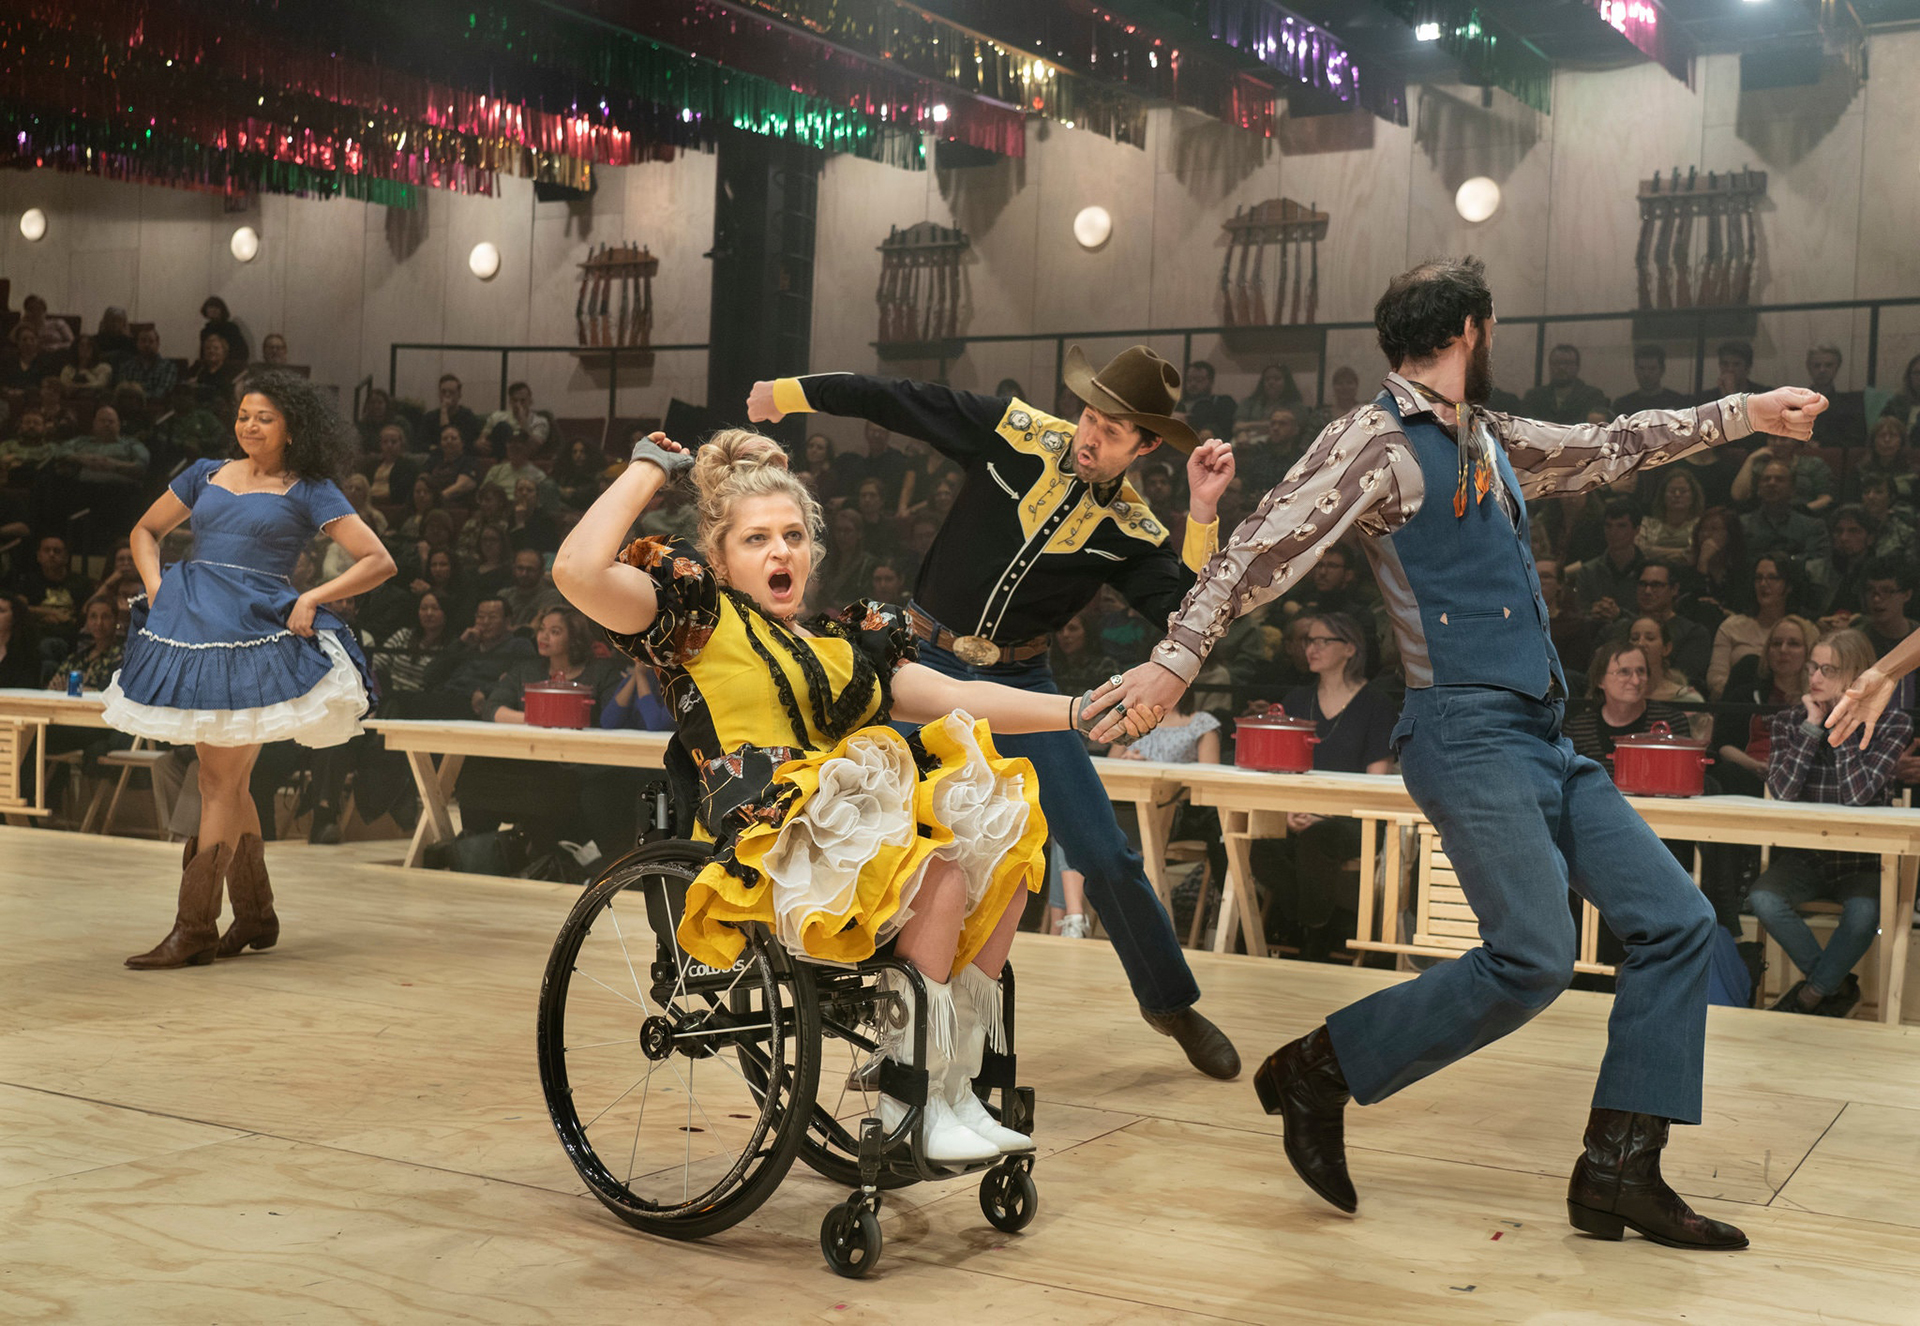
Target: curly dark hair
[(1423, 310), (320, 445)]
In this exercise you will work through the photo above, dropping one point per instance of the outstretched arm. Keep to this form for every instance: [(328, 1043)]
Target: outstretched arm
[(955, 423), (921, 695), (585, 570), (1860, 708)]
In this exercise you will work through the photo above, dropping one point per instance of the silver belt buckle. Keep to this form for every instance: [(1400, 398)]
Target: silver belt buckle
[(976, 650)]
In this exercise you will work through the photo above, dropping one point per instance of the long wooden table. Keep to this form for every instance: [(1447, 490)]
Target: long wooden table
[(25, 716)]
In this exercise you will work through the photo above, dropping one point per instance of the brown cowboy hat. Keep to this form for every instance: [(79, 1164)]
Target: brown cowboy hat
[(1138, 386)]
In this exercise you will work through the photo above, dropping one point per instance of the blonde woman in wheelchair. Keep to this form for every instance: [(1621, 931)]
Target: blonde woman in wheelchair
[(830, 828)]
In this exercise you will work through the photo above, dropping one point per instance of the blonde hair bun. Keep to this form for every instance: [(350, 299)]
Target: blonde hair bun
[(738, 463)]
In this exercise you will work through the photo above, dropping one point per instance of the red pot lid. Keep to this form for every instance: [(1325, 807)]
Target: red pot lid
[(1660, 736), (1275, 720), (560, 687)]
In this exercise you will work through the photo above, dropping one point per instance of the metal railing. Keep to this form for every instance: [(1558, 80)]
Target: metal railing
[(612, 353)]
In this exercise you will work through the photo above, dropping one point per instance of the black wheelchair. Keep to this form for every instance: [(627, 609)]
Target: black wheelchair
[(683, 1094)]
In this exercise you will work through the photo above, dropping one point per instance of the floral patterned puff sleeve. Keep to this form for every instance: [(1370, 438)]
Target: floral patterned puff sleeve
[(882, 633), (689, 606)]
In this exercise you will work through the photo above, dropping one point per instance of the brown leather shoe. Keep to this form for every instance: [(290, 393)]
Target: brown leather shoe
[(1617, 1185), (1302, 1083), (254, 924), (195, 936), (1207, 1047)]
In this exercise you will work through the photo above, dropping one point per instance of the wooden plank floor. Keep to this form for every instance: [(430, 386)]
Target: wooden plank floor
[(350, 1128)]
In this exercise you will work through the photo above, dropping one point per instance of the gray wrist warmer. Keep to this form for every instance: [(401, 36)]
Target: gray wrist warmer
[(670, 462)]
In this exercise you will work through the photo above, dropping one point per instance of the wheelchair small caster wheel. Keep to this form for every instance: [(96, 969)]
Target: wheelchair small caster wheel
[(1008, 1198), (850, 1240)]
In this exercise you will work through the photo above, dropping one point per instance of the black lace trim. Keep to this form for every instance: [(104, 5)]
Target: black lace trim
[(834, 715)]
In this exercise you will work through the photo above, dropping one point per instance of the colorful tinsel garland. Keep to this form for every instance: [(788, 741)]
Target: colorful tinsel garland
[(1489, 52), (1304, 53)]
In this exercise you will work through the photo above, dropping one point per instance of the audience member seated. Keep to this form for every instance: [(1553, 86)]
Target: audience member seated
[(926, 468), (122, 583), (1656, 595), (376, 412), (1666, 683), (1811, 477), (889, 586), (531, 595), (519, 466), (1346, 397), (1716, 575), (55, 336), (1844, 422), (457, 682), (1567, 621), (454, 474), (405, 657), (449, 410), (489, 512), (1802, 766), (636, 704), (1563, 398), (22, 369), (815, 467), (1891, 532), (104, 471), (391, 471), (30, 447), (113, 341), (492, 565), (86, 371), (53, 407), (1265, 455), (521, 417), (1118, 630), (1905, 406), (1650, 391), (220, 323), (1889, 588), (213, 374), (1618, 684), (1838, 588), (881, 462), (1200, 405), (1608, 582), (1776, 526), (97, 654), (1076, 660), (1355, 726), (359, 494), (54, 592), (147, 369), (19, 644), (1667, 534), (848, 567), (529, 523), (1886, 458), (878, 526), (672, 515), (1736, 372), (1776, 593), (1276, 389), (273, 350), (1763, 684), (576, 475), (424, 504)]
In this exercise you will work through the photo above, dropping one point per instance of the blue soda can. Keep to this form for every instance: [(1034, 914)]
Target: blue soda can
[(73, 682)]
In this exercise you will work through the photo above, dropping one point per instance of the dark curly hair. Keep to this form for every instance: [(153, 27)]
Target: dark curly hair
[(320, 445), (1423, 310)]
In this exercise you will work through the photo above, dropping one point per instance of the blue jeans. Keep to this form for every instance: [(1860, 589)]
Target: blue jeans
[(1795, 877), (1521, 817), (1080, 819)]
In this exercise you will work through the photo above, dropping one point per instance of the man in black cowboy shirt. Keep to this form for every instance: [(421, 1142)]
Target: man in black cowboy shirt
[(1044, 519)]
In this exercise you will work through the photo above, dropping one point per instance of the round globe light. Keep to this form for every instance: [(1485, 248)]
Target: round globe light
[(33, 223), (245, 244), (1092, 228), (484, 261), (1477, 199)]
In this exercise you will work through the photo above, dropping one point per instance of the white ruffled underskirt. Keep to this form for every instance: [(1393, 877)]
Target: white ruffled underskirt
[(866, 802), (327, 715)]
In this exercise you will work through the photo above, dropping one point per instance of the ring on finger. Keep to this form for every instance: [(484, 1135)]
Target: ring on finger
[(1114, 680)]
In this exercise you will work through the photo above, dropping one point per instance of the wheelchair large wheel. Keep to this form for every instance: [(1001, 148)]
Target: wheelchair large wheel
[(679, 1092)]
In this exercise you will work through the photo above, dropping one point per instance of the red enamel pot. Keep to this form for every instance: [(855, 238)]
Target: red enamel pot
[(559, 703), (1274, 742), (1656, 763)]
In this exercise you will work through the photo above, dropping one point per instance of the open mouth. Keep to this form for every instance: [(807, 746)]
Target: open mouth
[(781, 582)]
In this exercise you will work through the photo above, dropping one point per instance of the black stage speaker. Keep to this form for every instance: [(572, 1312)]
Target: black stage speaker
[(762, 318)]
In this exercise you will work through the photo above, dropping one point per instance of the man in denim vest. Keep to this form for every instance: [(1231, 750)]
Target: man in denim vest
[(1435, 486)]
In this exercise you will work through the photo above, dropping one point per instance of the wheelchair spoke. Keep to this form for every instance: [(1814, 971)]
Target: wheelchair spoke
[(621, 936), (609, 989)]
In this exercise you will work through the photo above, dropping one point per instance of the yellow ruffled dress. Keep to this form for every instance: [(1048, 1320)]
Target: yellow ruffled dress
[(825, 820)]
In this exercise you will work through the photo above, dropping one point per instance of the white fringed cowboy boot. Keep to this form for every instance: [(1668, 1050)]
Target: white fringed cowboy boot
[(980, 1022), (946, 1140)]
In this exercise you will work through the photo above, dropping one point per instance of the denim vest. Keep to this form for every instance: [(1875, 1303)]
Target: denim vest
[(1462, 591)]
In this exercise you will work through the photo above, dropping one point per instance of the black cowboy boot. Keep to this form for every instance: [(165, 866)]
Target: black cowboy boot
[(1207, 1047), (1302, 1083), (1617, 1185)]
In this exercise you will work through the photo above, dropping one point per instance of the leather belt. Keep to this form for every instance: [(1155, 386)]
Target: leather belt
[(976, 650)]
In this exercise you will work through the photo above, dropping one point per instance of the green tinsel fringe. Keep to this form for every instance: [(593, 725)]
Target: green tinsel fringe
[(1490, 53)]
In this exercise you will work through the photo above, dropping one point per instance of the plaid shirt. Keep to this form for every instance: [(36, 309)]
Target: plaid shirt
[(156, 379), (1803, 767)]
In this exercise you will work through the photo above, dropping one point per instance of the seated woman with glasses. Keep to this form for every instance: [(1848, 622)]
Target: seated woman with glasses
[(1804, 765)]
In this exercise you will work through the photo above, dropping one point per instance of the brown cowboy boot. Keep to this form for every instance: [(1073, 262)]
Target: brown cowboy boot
[(254, 924), (1617, 1185), (196, 924)]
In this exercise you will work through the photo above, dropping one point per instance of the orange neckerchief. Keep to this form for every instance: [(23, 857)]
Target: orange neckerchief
[(1474, 464)]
